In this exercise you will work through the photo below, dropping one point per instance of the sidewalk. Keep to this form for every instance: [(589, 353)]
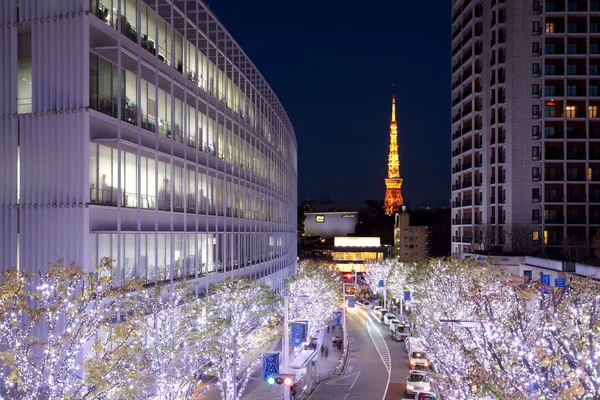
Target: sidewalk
[(258, 389)]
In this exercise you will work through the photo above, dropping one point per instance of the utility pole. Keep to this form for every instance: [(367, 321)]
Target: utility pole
[(285, 346), (234, 378)]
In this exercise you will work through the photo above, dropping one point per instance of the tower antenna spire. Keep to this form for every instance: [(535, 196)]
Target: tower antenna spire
[(393, 102), (393, 183)]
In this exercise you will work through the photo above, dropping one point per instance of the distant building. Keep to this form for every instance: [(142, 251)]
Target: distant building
[(351, 253), (411, 243)]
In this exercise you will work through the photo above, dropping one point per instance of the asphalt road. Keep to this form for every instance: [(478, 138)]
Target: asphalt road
[(378, 365)]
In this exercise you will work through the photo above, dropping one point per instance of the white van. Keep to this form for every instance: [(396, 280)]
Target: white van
[(417, 357)]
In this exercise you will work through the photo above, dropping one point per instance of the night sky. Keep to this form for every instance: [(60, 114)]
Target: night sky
[(332, 64)]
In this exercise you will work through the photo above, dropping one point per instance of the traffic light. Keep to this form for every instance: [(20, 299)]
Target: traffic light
[(282, 379)]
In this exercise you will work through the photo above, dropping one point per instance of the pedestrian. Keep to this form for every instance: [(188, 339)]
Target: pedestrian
[(327, 328), (333, 328), (322, 350), (326, 352)]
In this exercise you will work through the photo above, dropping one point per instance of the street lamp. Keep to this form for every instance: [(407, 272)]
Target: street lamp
[(286, 340)]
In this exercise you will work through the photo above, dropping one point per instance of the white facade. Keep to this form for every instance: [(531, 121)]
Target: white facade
[(525, 124), (139, 130)]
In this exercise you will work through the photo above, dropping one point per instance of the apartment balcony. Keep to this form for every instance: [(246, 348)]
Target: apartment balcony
[(456, 204), (466, 166), (576, 177), (467, 202), (467, 184), (456, 186), (456, 221), (467, 239), (456, 239), (467, 221), (576, 199), (554, 199), (456, 169)]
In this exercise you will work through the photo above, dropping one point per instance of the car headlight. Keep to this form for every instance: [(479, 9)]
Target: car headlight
[(411, 387)]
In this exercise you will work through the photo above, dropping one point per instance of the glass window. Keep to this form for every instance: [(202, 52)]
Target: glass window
[(535, 173), (535, 153), (537, 28), (550, 69), (572, 48), (536, 49), (572, 69), (535, 111), (550, 90), (535, 236), (571, 111), (593, 111), (571, 90), (535, 195), (550, 27), (535, 90), (535, 132)]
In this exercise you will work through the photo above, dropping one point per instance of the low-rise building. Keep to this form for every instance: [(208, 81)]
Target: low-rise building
[(411, 243)]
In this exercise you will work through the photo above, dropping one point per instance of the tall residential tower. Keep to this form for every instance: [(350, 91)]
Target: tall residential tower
[(140, 130), (393, 183), (525, 124)]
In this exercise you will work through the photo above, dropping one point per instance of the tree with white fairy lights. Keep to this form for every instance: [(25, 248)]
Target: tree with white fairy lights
[(230, 323), (165, 312), (397, 280), (48, 321), (507, 338), (377, 271), (322, 284)]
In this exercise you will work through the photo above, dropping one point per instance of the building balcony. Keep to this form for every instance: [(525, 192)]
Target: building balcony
[(467, 239), (467, 221), (556, 219)]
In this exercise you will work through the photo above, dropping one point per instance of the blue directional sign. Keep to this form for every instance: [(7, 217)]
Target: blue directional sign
[(381, 283), (358, 280), (298, 333), (407, 295), (351, 301), (545, 279), (336, 318), (560, 282), (270, 364), (527, 275)]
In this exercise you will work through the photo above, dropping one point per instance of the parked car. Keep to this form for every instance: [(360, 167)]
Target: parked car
[(392, 322), (413, 341), (401, 333), (426, 396), (417, 381), (417, 357), (376, 309), (381, 313), (388, 317), (366, 303)]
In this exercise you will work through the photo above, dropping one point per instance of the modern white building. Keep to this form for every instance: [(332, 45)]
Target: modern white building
[(141, 131), (525, 124)]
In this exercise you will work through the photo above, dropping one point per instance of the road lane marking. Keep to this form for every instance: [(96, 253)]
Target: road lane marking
[(382, 350)]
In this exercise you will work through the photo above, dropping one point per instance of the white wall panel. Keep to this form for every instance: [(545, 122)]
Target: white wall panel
[(49, 233)]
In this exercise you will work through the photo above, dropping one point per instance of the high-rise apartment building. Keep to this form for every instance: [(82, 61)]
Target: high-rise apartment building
[(525, 124), (140, 130)]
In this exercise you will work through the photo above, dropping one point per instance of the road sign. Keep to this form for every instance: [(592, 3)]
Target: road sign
[(407, 295), (545, 278), (336, 318), (351, 301), (298, 334), (527, 275), (270, 364), (358, 279), (381, 283), (560, 282)]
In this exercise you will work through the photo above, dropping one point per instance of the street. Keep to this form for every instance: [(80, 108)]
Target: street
[(378, 366)]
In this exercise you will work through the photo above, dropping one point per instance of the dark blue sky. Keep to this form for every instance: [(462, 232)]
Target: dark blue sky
[(332, 64)]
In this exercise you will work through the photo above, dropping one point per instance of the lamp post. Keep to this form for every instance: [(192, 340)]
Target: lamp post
[(286, 340)]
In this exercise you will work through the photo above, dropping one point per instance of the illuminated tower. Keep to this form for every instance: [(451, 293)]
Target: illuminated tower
[(393, 183)]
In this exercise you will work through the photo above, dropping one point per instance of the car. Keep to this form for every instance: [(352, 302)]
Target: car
[(417, 357), (401, 333), (376, 309), (413, 341), (381, 313), (388, 317), (367, 303), (393, 324), (426, 396), (417, 381)]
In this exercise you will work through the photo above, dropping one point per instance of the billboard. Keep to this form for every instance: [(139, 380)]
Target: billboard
[(330, 224)]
